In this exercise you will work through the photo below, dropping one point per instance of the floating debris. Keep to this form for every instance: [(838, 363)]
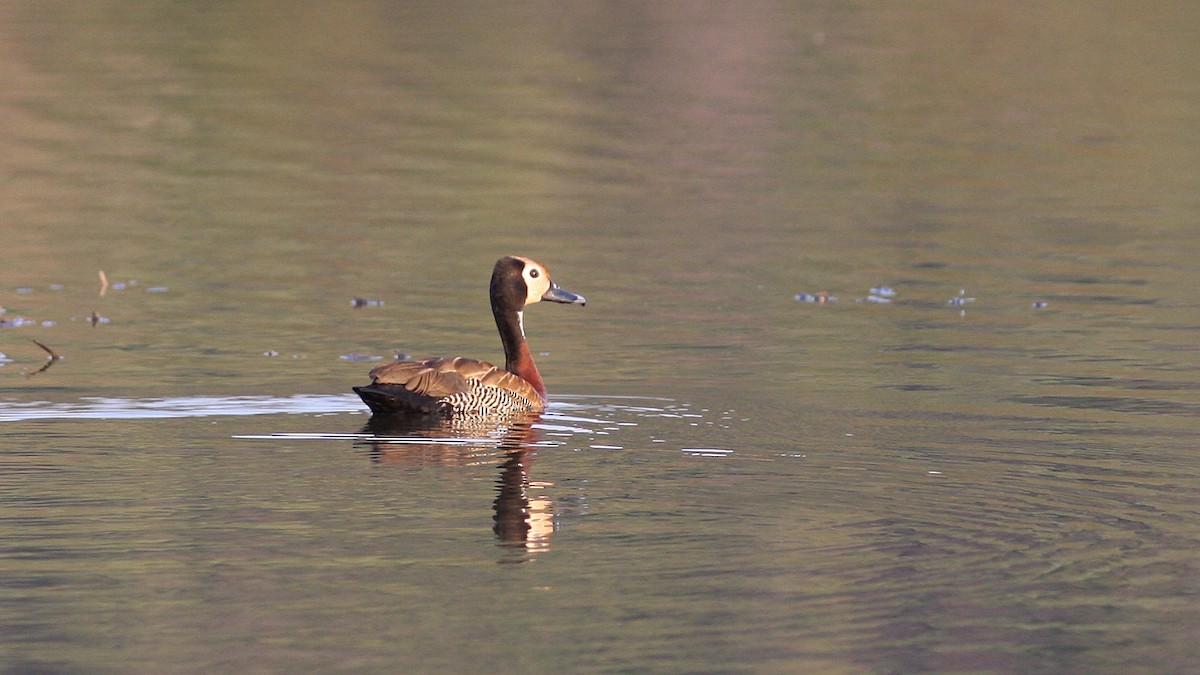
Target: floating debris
[(960, 299), (360, 357), (270, 353), (1039, 304), (401, 356), (105, 284), (95, 319), (884, 291), (363, 302), (819, 298), (16, 322)]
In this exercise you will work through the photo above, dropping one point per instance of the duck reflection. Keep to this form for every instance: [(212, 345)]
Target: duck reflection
[(523, 519)]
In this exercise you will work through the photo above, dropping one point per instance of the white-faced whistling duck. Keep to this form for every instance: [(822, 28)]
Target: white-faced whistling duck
[(455, 386)]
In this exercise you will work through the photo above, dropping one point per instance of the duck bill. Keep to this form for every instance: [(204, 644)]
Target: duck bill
[(556, 294)]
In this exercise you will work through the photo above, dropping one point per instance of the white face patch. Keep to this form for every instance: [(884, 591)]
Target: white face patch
[(537, 280)]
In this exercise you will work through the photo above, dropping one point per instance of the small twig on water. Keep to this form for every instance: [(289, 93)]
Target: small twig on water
[(103, 283), (53, 355), (51, 358)]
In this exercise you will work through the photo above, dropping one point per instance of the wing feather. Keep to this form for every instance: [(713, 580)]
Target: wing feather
[(440, 378)]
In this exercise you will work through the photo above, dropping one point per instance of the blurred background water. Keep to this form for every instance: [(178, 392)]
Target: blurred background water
[(889, 361)]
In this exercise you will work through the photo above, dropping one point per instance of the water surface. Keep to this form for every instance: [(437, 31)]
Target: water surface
[(991, 468)]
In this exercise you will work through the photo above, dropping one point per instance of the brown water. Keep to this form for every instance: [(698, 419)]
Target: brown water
[(996, 471)]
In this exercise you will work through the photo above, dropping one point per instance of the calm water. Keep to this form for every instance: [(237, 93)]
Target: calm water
[(990, 465)]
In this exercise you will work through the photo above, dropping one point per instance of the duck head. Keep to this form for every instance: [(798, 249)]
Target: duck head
[(518, 281)]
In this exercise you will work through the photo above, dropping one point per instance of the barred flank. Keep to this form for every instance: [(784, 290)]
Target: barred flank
[(487, 399)]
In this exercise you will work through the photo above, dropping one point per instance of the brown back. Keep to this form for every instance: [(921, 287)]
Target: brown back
[(443, 377)]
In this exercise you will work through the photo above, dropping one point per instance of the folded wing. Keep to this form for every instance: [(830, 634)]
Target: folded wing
[(447, 385)]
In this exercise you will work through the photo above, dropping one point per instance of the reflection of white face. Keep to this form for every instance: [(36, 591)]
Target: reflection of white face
[(537, 280)]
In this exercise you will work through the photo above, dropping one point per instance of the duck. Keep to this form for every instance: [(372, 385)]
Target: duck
[(463, 386)]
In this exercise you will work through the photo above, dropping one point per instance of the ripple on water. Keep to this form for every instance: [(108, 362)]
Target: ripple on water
[(186, 406)]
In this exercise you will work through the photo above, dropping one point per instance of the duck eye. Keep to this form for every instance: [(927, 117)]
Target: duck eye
[(533, 274)]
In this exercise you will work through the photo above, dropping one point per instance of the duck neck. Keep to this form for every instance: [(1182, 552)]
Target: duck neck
[(517, 358)]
